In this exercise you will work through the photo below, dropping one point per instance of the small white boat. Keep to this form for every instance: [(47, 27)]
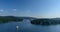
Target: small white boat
[(17, 27)]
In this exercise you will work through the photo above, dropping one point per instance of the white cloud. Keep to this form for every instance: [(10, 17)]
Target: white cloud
[(1, 10), (28, 11), (14, 9)]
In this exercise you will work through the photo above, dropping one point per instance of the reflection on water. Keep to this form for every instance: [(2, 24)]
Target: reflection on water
[(26, 26)]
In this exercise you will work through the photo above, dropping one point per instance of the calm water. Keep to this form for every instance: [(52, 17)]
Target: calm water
[(26, 26)]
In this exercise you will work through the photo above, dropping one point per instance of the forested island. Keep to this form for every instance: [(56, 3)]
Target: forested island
[(45, 21), (4, 19)]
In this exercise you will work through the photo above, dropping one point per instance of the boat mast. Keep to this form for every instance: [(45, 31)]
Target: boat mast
[(17, 27)]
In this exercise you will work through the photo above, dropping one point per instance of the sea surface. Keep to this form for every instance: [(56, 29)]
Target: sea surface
[(26, 26)]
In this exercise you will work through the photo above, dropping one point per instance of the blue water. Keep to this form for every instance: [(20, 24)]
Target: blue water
[(11, 27), (26, 26)]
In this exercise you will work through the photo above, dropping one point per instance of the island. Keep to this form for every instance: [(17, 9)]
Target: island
[(45, 21)]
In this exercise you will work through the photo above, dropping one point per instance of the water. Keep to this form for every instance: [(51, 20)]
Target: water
[(10, 27), (26, 26)]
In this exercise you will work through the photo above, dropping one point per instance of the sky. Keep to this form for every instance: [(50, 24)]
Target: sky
[(30, 8)]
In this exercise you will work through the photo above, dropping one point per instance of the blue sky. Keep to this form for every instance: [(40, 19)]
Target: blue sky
[(30, 8)]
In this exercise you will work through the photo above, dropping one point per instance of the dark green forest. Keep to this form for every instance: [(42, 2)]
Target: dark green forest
[(4, 19), (45, 22)]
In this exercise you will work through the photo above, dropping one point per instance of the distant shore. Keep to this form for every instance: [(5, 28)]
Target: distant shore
[(45, 22), (4, 19)]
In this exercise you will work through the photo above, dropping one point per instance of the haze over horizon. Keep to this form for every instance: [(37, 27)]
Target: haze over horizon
[(30, 8)]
